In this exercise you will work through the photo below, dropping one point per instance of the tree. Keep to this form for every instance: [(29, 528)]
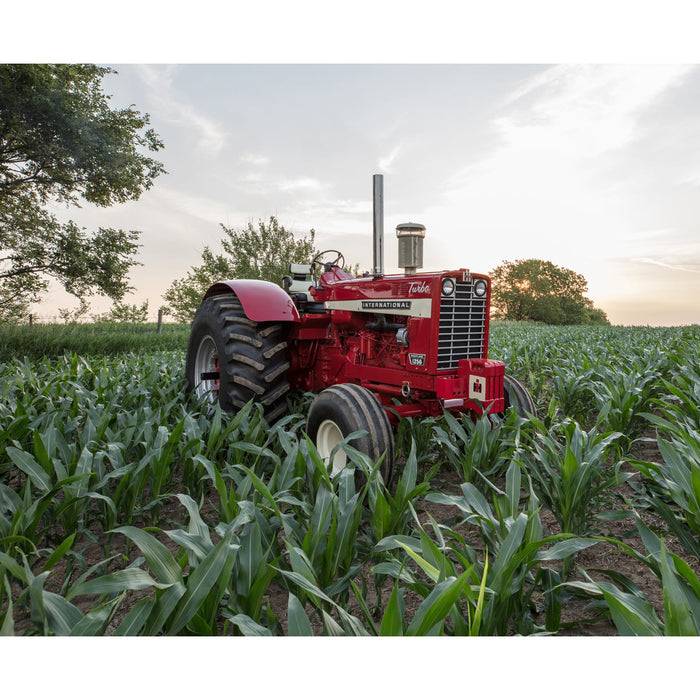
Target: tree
[(539, 290), (128, 313), (262, 253), (61, 142), (74, 315)]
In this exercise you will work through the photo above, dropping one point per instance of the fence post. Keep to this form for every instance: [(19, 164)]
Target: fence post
[(31, 320), (160, 320)]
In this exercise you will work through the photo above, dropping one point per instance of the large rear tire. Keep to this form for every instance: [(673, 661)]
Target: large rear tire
[(231, 359), (516, 395), (342, 409)]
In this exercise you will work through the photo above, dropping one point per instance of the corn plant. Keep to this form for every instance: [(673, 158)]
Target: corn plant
[(322, 544), (479, 448), (674, 485), (182, 602), (572, 471), (629, 609), (510, 563), (418, 432), (391, 513), (572, 392), (623, 396)]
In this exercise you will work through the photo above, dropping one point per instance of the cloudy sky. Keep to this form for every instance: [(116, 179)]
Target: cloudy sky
[(594, 166)]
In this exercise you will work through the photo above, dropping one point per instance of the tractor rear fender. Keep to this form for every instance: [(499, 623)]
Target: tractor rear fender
[(262, 301)]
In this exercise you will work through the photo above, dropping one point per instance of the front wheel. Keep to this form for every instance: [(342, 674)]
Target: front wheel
[(516, 395), (342, 409)]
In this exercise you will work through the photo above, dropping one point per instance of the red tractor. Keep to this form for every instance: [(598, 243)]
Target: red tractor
[(377, 347)]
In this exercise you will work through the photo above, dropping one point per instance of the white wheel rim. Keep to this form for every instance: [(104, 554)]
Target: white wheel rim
[(207, 360), (328, 436)]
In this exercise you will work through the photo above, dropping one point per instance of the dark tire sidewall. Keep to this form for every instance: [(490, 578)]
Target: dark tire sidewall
[(206, 324), (338, 403)]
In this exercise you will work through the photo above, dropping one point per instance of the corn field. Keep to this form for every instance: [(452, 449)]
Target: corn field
[(126, 508)]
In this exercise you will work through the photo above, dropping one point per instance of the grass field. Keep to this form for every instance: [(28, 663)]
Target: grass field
[(100, 339), (125, 509)]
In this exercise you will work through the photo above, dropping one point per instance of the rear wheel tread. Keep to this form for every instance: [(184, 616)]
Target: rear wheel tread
[(245, 349)]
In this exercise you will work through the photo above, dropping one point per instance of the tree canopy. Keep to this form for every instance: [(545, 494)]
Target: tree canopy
[(539, 290), (61, 142), (263, 252)]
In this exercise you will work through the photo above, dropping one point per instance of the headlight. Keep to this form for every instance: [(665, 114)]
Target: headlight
[(480, 288), (448, 287)]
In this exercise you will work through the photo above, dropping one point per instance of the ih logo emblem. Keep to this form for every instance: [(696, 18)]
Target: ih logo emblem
[(477, 388)]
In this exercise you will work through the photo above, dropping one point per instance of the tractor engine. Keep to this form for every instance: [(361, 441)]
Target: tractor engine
[(419, 342), (377, 348)]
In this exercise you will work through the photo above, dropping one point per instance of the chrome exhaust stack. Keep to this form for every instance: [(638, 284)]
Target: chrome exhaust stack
[(378, 201)]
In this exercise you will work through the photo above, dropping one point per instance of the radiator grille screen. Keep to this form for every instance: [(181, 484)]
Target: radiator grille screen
[(462, 320)]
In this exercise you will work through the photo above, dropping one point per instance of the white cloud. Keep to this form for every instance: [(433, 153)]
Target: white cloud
[(544, 180), (583, 111), (207, 209), (255, 159), (386, 162), (680, 267), (300, 183), (209, 135)]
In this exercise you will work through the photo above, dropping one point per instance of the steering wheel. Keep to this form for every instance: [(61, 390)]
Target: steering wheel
[(338, 261)]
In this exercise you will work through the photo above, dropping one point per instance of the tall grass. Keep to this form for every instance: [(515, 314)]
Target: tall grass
[(104, 338)]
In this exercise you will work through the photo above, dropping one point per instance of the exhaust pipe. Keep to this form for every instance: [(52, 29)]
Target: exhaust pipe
[(378, 200)]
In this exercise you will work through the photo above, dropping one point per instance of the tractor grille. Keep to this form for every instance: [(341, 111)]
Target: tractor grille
[(461, 327)]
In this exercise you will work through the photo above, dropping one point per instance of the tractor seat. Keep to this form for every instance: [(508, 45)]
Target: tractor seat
[(297, 284), (298, 281)]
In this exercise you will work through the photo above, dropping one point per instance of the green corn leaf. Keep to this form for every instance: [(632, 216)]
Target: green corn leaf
[(58, 553), (7, 628), (163, 609), (247, 625), (192, 542), (551, 580), (298, 624), (331, 627), (197, 526), (61, 616), (94, 621), (392, 621), (24, 461), (565, 547), (632, 616), (435, 608), (159, 559), (315, 593), (366, 614), (695, 483), (217, 563), (13, 567), (36, 595), (135, 619), (475, 625), (432, 572), (300, 563), (677, 613), (125, 580)]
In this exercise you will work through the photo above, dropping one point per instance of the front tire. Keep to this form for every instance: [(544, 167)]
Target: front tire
[(231, 359), (516, 395), (342, 409)]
